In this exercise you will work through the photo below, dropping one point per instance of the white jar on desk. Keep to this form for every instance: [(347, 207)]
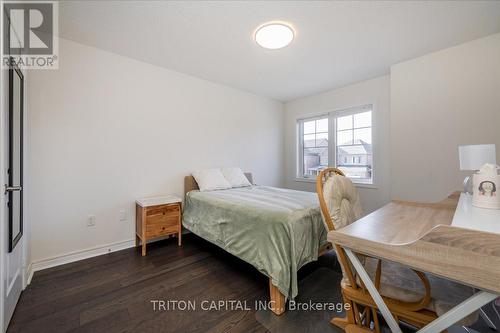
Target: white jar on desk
[(486, 187)]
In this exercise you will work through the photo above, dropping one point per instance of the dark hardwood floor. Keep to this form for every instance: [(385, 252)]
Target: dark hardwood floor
[(113, 292)]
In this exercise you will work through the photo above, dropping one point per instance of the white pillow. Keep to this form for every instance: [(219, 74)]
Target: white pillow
[(211, 179), (235, 177)]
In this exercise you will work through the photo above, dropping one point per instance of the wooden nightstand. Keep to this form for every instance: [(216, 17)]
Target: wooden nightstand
[(157, 217)]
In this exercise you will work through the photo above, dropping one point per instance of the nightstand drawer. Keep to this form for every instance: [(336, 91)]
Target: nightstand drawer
[(162, 226), (169, 210)]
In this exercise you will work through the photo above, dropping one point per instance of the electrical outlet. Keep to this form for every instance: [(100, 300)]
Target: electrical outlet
[(122, 215), (90, 220)]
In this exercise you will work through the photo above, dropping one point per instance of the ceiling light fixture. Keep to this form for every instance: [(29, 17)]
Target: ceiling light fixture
[(274, 35)]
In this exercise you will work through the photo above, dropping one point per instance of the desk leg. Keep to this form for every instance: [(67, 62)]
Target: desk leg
[(462, 310), (384, 310)]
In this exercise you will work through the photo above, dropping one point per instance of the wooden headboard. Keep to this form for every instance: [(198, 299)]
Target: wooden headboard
[(190, 184)]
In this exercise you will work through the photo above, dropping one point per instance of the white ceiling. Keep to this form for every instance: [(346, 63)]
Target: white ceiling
[(337, 43)]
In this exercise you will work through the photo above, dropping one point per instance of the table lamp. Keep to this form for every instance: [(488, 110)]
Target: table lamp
[(473, 157)]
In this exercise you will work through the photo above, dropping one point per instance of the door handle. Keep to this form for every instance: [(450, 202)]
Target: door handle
[(12, 188)]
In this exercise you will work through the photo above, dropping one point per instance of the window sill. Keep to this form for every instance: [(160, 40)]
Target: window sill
[(313, 180), (305, 180)]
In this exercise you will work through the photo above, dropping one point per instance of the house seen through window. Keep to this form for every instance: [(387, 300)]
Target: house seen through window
[(315, 146), (349, 147)]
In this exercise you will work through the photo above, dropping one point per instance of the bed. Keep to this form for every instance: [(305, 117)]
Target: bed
[(276, 230)]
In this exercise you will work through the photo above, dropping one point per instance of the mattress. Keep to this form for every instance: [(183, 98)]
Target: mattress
[(275, 230)]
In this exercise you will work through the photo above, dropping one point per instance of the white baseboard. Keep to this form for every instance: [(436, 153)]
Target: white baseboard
[(28, 275), (75, 256)]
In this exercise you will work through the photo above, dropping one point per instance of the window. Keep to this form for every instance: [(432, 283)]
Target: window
[(354, 139), (314, 146), (350, 146)]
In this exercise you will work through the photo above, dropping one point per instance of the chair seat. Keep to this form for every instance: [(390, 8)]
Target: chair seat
[(401, 283)]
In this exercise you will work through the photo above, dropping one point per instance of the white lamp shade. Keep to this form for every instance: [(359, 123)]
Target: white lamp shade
[(473, 157)]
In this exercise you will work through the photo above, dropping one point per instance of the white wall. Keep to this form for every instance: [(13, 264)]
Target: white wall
[(438, 102), (105, 129), (375, 91)]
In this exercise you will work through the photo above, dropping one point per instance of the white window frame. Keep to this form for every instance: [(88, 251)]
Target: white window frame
[(332, 138), (300, 154)]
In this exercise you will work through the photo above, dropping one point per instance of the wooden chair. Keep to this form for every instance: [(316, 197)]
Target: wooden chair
[(406, 292)]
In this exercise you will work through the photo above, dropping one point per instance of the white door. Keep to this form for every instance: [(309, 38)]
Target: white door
[(13, 192), (12, 242)]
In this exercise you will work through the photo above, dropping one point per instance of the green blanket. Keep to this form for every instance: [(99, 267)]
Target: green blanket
[(276, 230)]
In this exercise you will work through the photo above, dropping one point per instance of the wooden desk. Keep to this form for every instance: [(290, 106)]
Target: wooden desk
[(440, 238)]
